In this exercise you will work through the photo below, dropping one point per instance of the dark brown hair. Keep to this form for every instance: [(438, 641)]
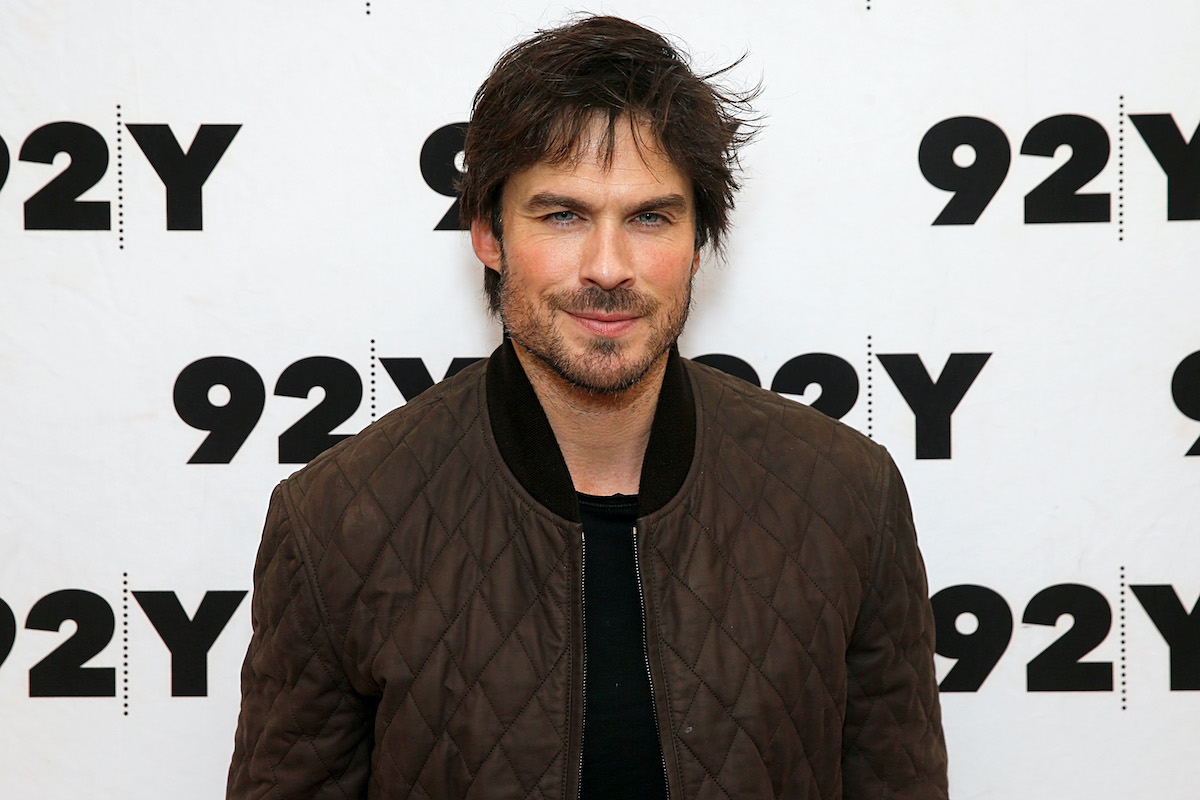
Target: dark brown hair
[(544, 94)]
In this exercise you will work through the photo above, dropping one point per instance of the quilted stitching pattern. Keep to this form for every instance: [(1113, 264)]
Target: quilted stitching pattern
[(806, 527), (326, 731), (415, 615), (457, 626)]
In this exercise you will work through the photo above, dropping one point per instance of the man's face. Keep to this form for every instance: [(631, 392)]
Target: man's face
[(596, 262)]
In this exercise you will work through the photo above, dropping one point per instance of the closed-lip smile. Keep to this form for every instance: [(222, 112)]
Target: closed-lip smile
[(605, 323)]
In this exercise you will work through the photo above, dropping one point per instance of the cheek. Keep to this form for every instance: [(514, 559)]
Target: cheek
[(544, 263), (670, 267)]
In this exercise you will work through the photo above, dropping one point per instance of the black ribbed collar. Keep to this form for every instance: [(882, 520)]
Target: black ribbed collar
[(531, 452)]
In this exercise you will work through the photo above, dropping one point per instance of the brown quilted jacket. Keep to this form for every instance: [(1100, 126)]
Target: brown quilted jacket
[(418, 624)]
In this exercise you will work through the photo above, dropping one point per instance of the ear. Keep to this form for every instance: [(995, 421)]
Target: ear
[(695, 263), (485, 243)]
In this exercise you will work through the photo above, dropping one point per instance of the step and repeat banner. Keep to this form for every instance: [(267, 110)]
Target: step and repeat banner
[(228, 239)]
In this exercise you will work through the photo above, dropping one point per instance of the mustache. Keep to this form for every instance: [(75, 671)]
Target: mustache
[(594, 298)]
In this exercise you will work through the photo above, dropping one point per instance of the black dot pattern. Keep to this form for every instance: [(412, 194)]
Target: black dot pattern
[(120, 183), (1121, 171), (125, 641), (1124, 684), (870, 389)]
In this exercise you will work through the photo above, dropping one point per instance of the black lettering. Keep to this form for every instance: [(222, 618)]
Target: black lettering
[(228, 424), (1185, 390), (5, 162), (183, 174), (931, 402), (1180, 630), (730, 365), (1057, 198), (56, 207), (412, 377), (974, 185), (1179, 159), (1058, 668), (8, 631), (440, 172), (189, 640), (312, 434), (835, 376), (977, 652), (61, 673)]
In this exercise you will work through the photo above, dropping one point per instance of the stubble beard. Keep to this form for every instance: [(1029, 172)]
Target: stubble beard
[(603, 367)]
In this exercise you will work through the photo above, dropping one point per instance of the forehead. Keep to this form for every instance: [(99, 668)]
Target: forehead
[(635, 164)]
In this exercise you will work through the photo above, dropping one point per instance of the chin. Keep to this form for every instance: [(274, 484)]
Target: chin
[(604, 370)]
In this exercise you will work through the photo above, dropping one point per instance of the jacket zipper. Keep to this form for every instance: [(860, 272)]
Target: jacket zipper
[(583, 664), (637, 568)]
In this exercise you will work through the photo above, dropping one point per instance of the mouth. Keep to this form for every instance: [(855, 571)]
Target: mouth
[(607, 324)]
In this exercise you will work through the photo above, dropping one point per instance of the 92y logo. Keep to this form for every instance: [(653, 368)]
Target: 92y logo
[(1057, 198), (1061, 666), (229, 424), (56, 206), (62, 673)]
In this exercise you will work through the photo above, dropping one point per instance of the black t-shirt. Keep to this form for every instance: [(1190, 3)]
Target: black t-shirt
[(621, 752)]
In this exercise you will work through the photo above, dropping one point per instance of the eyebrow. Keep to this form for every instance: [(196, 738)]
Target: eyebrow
[(547, 200)]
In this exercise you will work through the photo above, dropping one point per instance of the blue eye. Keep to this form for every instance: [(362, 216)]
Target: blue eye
[(563, 216), (650, 218)]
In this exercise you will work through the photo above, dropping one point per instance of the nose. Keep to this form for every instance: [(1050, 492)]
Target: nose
[(607, 259)]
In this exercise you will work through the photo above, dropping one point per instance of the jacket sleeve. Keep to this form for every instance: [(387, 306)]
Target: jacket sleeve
[(302, 732), (893, 745)]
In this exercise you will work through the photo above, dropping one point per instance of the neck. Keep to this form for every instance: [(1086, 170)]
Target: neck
[(602, 437)]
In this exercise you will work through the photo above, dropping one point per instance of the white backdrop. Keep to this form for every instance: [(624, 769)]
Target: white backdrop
[(135, 307)]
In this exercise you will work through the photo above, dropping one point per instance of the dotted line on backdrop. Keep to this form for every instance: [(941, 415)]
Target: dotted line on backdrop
[(373, 360), (125, 641), (870, 386), (1124, 687), (120, 185), (1121, 171)]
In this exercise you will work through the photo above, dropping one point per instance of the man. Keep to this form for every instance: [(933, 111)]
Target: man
[(588, 567)]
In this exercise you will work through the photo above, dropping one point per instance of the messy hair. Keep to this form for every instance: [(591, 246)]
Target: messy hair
[(545, 95)]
